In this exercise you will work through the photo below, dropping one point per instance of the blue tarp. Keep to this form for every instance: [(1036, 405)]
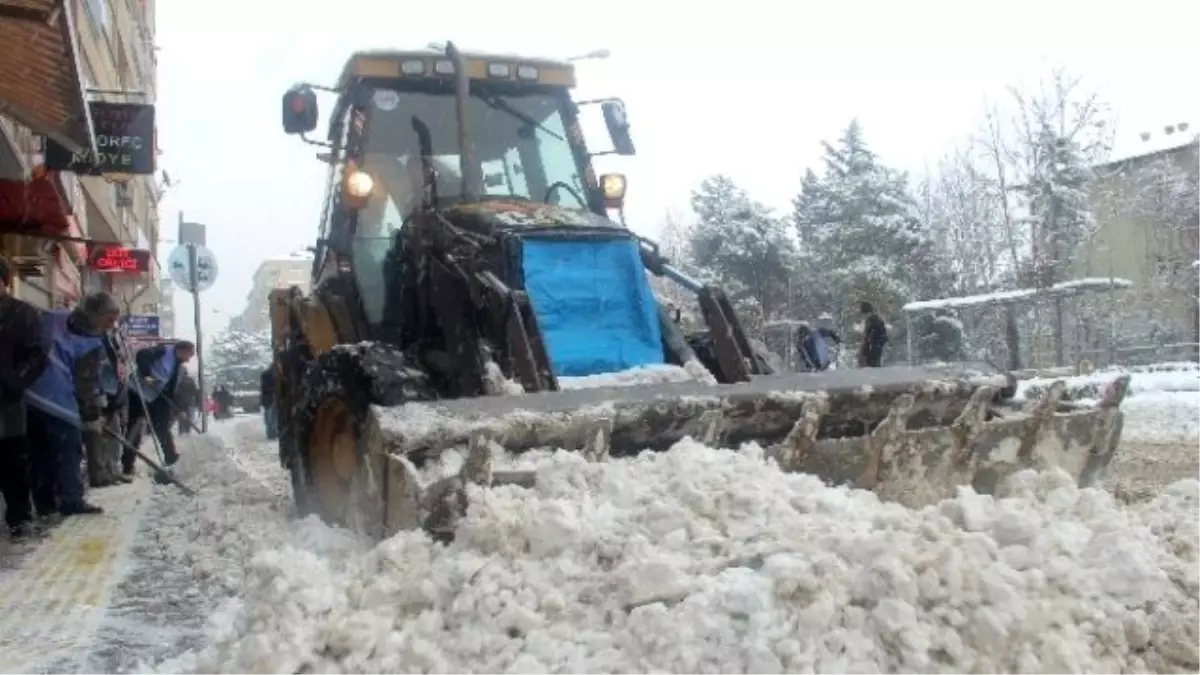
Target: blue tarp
[(593, 303)]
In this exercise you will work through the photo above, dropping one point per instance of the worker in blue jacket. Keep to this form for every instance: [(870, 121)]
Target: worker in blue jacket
[(153, 401), (67, 399)]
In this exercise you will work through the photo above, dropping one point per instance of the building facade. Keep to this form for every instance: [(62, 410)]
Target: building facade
[(58, 58), (294, 269), (1148, 231)]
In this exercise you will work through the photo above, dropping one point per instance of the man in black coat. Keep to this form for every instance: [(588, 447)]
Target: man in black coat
[(875, 336), (266, 396), (23, 352)]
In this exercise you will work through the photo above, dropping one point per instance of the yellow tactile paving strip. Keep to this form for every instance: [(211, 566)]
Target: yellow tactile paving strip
[(51, 601)]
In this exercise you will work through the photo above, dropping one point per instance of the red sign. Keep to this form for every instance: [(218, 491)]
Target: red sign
[(119, 259)]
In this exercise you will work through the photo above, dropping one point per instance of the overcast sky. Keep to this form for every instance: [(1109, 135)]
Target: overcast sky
[(747, 88)]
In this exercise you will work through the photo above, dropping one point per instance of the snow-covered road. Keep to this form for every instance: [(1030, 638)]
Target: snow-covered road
[(696, 560)]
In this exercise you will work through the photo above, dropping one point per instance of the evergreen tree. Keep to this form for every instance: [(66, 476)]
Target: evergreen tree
[(1059, 208), (1058, 203), (746, 247), (860, 235), (238, 356)]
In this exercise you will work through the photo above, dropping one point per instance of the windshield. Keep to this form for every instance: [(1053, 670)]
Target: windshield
[(519, 140)]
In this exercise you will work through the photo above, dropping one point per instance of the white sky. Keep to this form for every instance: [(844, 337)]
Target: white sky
[(747, 88)]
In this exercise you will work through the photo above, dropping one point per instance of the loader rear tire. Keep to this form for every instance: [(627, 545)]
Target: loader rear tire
[(337, 391)]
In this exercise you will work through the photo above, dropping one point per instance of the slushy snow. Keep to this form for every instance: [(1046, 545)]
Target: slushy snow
[(712, 560)]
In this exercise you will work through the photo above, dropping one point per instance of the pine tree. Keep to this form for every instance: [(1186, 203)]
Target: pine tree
[(238, 356), (743, 244), (859, 231), (1061, 213)]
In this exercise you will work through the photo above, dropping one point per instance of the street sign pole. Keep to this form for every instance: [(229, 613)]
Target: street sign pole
[(195, 289), (194, 267)]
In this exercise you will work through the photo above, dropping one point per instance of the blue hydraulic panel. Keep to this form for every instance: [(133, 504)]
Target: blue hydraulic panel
[(593, 303)]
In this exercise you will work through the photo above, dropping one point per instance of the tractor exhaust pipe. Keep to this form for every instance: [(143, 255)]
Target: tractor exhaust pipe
[(472, 181)]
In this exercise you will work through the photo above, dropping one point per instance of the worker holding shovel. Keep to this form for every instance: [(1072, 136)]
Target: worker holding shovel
[(158, 370)]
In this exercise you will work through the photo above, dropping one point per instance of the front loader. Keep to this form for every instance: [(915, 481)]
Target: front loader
[(467, 272)]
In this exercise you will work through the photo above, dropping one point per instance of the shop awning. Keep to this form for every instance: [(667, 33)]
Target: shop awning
[(40, 82), (35, 207)]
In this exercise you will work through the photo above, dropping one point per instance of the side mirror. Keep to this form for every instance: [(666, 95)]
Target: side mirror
[(299, 110), (618, 126)]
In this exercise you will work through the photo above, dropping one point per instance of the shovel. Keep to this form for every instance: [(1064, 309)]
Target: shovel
[(161, 475)]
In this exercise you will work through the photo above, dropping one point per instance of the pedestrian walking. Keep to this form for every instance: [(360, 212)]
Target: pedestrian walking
[(66, 400), (22, 360)]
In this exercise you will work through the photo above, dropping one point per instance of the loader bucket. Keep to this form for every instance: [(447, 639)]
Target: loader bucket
[(913, 435)]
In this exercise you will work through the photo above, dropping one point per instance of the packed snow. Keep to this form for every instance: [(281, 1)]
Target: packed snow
[(707, 560), (650, 374)]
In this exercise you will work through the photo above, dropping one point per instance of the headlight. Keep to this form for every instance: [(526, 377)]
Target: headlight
[(498, 70), (359, 184), (527, 73), (613, 186)]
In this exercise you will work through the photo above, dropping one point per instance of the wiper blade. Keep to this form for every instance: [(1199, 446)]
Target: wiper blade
[(496, 103)]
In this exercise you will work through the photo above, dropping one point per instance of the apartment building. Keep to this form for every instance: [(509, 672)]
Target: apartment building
[(117, 64), (1147, 231), (285, 271), (59, 58)]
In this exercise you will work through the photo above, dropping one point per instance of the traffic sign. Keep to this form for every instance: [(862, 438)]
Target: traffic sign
[(141, 325), (180, 269)]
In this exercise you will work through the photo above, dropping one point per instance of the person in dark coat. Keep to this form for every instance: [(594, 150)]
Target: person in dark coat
[(103, 448), (267, 400), (875, 336), (158, 369), (187, 395), (68, 399), (22, 359), (224, 401)]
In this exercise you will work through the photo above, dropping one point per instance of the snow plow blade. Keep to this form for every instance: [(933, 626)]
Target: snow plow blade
[(913, 435)]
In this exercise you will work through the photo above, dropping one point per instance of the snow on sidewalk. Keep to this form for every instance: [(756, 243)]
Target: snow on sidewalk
[(191, 554), (706, 560), (54, 592)]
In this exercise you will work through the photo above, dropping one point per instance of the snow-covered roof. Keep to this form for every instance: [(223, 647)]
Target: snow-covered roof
[(1156, 145), (1063, 288)]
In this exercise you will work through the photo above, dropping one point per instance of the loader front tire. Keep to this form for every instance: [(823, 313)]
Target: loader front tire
[(337, 391)]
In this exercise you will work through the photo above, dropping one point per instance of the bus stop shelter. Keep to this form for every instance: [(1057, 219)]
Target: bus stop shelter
[(1008, 301)]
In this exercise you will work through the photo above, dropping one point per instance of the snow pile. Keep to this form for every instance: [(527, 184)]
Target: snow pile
[(651, 374), (1173, 377), (706, 560)]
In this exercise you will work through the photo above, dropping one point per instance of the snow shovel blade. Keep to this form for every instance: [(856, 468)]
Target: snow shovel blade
[(161, 475), (913, 435)]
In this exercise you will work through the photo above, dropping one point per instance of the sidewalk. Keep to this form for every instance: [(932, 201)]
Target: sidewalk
[(53, 592)]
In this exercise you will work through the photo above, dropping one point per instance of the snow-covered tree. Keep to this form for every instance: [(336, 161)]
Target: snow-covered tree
[(673, 243), (741, 242), (237, 355), (860, 235)]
